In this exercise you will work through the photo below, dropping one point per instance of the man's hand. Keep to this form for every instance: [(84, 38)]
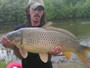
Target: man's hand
[(6, 43), (55, 51)]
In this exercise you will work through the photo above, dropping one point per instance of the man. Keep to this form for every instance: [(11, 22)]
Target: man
[(35, 17)]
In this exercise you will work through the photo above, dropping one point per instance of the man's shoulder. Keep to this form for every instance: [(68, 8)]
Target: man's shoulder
[(19, 26)]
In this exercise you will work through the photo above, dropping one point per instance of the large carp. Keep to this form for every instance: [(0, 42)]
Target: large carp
[(43, 40)]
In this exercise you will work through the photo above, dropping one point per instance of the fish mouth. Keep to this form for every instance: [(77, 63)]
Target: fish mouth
[(8, 36), (14, 35)]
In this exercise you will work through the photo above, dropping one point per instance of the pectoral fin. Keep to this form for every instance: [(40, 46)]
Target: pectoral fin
[(68, 55), (44, 57), (23, 52)]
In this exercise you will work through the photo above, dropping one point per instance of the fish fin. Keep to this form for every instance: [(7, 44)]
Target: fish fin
[(47, 24), (44, 57), (67, 55), (83, 55), (23, 52), (61, 53)]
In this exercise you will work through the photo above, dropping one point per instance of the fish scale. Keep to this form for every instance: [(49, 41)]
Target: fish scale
[(43, 40)]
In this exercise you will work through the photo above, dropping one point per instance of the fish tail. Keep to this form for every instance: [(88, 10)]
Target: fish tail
[(83, 55), (87, 53)]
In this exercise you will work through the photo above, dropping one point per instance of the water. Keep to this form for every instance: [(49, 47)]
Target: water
[(79, 27)]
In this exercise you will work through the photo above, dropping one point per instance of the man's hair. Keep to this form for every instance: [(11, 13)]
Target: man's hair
[(28, 19)]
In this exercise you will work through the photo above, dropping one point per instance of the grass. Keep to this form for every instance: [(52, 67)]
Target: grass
[(4, 64)]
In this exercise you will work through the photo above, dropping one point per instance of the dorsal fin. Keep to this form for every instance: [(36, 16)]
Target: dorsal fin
[(47, 24)]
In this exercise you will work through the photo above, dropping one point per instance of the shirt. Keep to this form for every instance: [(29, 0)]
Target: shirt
[(33, 60)]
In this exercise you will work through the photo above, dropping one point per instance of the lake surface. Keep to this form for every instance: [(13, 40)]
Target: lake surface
[(79, 27)]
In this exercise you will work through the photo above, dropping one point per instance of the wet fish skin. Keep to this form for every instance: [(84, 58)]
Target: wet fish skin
[(43, 40)]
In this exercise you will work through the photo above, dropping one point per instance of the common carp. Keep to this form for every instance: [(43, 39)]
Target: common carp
[(42, 40)]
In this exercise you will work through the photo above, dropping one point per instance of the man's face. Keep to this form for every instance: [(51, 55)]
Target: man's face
[(36, 14)]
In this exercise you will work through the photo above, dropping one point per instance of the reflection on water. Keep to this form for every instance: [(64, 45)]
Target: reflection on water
[(85, 40), (79, 27)]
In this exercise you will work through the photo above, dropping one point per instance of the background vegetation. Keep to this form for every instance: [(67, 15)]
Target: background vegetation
[(14, 10), (3, 64)]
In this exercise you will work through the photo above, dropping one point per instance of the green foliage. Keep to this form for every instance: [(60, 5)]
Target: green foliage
[(13, 10), (73, 1), (3, 64), (68, 9), (49, 9), (82, 10)]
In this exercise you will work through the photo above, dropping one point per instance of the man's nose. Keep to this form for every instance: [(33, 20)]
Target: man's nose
[(37, 11)]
